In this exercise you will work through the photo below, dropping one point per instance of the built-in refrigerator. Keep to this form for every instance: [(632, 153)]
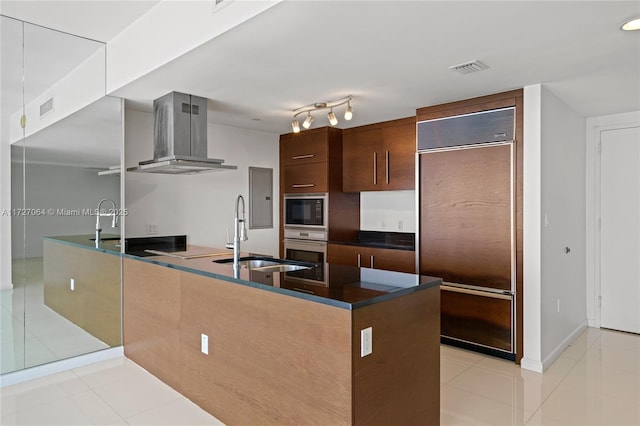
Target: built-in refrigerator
[(467, 225)]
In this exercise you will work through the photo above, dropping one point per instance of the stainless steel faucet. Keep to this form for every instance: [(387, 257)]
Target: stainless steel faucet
[(114, 220), (239, 234)]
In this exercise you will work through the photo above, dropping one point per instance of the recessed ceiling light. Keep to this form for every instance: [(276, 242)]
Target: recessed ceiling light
[(631, 25)]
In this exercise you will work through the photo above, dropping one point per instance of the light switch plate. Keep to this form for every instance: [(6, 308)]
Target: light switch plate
[(366, 341), (72, 284)]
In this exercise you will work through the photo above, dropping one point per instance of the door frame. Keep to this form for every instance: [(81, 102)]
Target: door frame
[(595, 127)]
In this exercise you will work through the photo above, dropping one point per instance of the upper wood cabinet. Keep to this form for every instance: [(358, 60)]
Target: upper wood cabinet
[(311, 161), (304, 148), (305, 178), (379, 157)]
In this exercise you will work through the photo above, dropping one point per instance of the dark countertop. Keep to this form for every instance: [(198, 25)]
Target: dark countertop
[(386, 240), (347, 287), (109, 243)]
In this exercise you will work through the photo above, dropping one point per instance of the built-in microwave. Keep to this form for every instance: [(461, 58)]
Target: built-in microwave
[(305, 216)]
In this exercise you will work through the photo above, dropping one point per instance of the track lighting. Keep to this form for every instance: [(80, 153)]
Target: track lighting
[(333, 120)]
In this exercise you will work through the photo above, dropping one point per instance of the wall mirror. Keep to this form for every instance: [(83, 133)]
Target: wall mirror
[(72, 132)]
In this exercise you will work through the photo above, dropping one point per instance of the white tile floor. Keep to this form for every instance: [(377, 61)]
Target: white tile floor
[(596, 381), (32, 333)]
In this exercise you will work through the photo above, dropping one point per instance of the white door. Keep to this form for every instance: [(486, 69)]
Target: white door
[(620, 229)]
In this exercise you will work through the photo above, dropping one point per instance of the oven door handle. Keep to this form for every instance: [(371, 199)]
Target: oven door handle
[(305, 242)]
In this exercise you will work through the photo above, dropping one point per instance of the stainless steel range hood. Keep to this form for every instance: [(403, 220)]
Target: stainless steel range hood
[(180, 137)]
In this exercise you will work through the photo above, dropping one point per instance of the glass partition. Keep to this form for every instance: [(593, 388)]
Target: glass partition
[(64, 289)]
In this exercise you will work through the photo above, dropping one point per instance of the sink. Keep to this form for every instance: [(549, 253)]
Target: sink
[(268, 264)]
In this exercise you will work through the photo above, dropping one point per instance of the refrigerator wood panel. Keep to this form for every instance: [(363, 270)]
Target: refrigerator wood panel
[(480, 319), (466, 215)]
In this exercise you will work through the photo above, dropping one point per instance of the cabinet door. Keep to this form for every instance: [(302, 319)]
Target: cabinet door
[(346, 255), (360, 158), (467, 216), (396, 163), (304, 148), (306, 178), (393, 260)]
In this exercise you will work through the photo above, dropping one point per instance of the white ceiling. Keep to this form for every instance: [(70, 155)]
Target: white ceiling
[(392, 56)]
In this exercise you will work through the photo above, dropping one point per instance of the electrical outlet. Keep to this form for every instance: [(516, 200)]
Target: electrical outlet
[(366, 341), (204, 344), (72, 284), (152, 228), (400, 225)]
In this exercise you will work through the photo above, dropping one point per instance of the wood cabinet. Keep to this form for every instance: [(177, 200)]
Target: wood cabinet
[(380, 157), (304, 178), (311, 161), (94, 302), (305, 148), (372, 257)]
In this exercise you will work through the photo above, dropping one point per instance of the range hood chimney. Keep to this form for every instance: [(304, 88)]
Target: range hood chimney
[(180, 137)]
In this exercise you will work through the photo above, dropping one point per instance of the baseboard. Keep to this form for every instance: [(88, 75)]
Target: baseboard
[(27, 374), (531, 365), (551, 358), (542, 366)]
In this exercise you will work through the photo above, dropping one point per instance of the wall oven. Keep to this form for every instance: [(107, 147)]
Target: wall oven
[(307, 251), (305, 216)]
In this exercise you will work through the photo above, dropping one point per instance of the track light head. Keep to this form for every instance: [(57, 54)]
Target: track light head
[(295, 126), (307, 121), (348, 113), (333, 120)]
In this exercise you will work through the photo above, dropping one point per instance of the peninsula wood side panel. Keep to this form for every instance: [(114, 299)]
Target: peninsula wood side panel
[(273, 359), (152, 319), (94, 305), (399, 383)]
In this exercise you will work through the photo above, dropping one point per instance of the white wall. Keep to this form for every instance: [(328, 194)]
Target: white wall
[(554, 220), (388, 211), (169, 30), (202, 205), (59, 187)]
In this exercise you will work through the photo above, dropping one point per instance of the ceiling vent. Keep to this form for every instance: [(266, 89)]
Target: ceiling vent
[(469, 67), (46, 107)]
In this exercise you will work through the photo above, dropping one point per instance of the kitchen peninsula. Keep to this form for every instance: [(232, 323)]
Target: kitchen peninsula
[(265, 348), (277, 354)]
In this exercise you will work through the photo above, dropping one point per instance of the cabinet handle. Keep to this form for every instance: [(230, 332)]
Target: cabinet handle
[(372, 261), (358, 260), (300, 157), (303, 185), (387, 165), (375, 168)]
